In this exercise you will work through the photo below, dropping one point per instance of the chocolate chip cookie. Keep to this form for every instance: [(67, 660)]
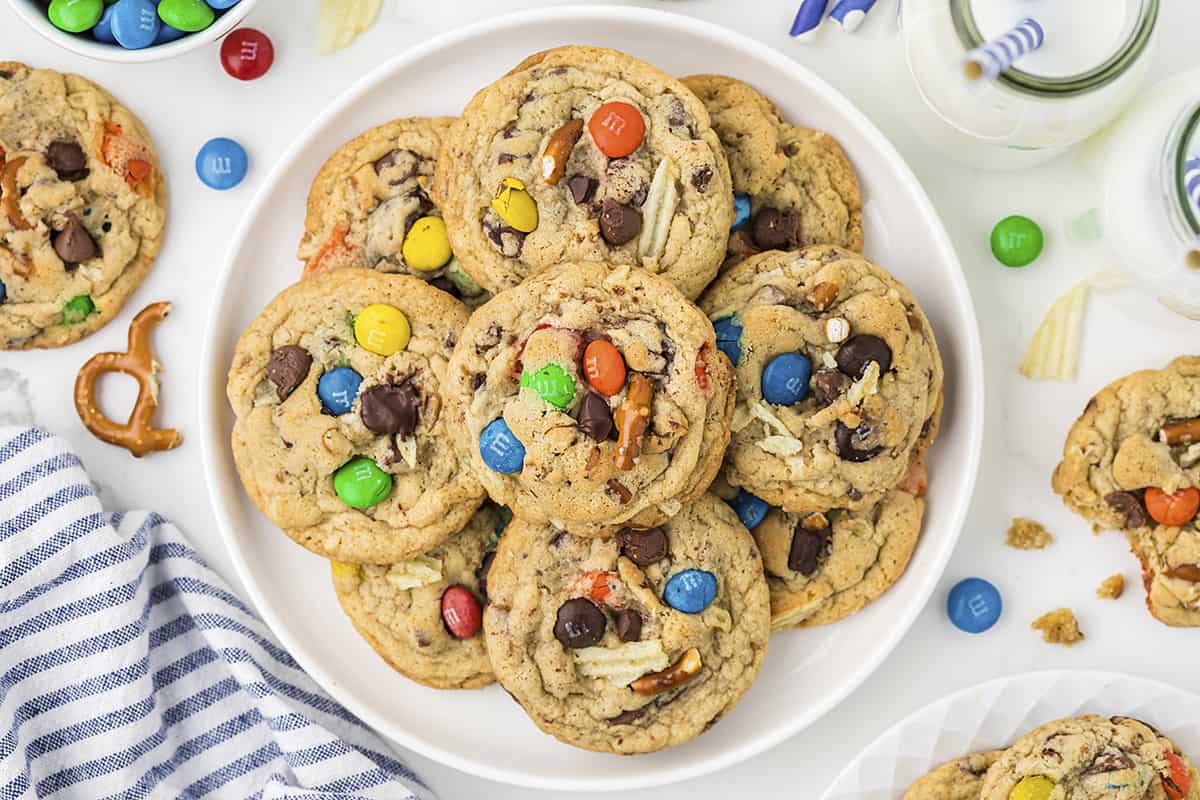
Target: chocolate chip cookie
[(591, 397), (585, 154), (795, 187), (824, 566), (369, 207), (422, 615), (839, 379), (1091, 758), (632, 643), (341, 437), (83, 207), (959, 779)]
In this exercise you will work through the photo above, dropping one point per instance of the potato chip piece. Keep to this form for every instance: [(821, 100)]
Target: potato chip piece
[(343, 20)]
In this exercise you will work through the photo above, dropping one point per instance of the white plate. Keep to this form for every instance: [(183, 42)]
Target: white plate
[(997, 713), (807, 672)]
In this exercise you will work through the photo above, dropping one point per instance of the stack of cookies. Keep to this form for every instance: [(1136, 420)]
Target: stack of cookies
[(683, 412)]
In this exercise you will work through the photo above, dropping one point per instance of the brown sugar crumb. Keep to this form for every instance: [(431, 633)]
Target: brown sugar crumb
[(1059, 627), (1111, 587), (1026, 534)]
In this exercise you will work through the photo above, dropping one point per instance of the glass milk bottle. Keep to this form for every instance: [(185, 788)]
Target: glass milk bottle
[(1093, 58)]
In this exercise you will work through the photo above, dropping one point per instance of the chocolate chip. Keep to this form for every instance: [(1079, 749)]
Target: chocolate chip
[(595, 417), (505, 158), (626, 181), (860, 350), (73, 243), (1185, 572), (580, 623), (5, 74), (1128, 506), (629, 625), (701, 178), (67, 160), (809, 544), (446, 285), (619, 223), (618, 490), (643, 547), (626, 717), (508, 240), (582, 187), (558, 538), (847, 438), (477, 381), (828, 385), (1109, 760), (776, 230), (485, 567), (677, 117), (388, 409), (404, 163), (287, 368)]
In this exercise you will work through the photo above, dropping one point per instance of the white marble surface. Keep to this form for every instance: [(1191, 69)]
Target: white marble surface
[(189, 100)]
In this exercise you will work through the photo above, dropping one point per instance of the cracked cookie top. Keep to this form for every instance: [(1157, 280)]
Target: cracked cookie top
[(341, 437), (959, 779), (585, 154), (82, 207), (631, 643), (839, 380), (591, 397)]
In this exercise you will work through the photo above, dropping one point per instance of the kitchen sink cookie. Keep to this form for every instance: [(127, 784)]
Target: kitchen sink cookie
[(794, 186), (1133, 458), (591, 397), (1170, 557), (959, 779), (424, 615), (341, 437), (82, 207), (1091, 758), (585, 154), (824, 566), (839, 380), (369, 207), (632, 643)]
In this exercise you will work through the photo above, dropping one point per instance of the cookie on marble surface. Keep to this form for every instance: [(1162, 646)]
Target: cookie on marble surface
[(341, 437), (585, 154), (1092, 758), (83, 207), (631, 643), (591, 397), (801, 187), (1170, 558), (369, 206), (839, 379), (959, 779), (397, 607)]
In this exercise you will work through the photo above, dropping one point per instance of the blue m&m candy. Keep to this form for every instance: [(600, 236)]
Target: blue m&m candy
[(729, 337), (974, 605), (741, 208), (168, 34), (221, 164), (750, 509), (785, 379), (500, 449), (222, 4), (690, 591), (135, 23), (103, 30), (337, 390)]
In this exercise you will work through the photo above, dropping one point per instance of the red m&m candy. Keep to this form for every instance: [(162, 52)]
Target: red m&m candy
[(247, 54), (461, 612), (617, 128)]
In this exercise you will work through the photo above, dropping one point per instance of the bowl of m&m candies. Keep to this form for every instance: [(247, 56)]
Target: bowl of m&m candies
[(132, 30)]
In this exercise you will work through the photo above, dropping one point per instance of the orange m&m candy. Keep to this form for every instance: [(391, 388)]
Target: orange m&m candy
[(604, 367), (1172, 509), (1178, 780), (617, 128)]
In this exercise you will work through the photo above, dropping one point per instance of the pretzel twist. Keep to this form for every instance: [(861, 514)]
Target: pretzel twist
[(138, 434)]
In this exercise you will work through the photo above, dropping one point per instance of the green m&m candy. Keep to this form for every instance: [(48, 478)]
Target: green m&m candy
[(77, 309), (552, 383), (186, 15), (360, 483), (75, 16), (1017, 241)]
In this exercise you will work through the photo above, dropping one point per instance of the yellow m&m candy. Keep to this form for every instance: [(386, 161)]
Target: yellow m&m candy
[(515, 206), (382, 329), (427, 247), (1034, 787)]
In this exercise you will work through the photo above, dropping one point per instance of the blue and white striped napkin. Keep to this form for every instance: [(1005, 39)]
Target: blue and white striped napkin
[(128, 669)]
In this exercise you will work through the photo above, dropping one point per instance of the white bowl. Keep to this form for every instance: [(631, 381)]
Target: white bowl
[(34, 13), (807, 672)]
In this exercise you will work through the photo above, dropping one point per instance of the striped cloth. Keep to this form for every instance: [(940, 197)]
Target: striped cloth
[(128, 669)]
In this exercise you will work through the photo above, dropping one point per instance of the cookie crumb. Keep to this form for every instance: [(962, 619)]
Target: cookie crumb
[(1059, 627), (1111, 587), (1027, 534)]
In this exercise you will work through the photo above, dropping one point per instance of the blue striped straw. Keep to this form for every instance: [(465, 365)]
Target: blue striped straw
[(808, 19), (989, 60), (850, 13)]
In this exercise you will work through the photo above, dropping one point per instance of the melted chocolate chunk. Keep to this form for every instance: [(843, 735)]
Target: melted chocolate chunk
[(619, 224), (580, 623), (287, 368), (861, 349), (67, 159), (595, 417), (1129, 506), (809, 545), (643, 547), (582, 188), (847, 440), (390, 409), (701, 178)]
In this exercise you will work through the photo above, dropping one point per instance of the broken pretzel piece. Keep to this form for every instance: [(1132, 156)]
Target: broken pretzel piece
[(674, 676), (632, 418), (10, 197), (138, 434)]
